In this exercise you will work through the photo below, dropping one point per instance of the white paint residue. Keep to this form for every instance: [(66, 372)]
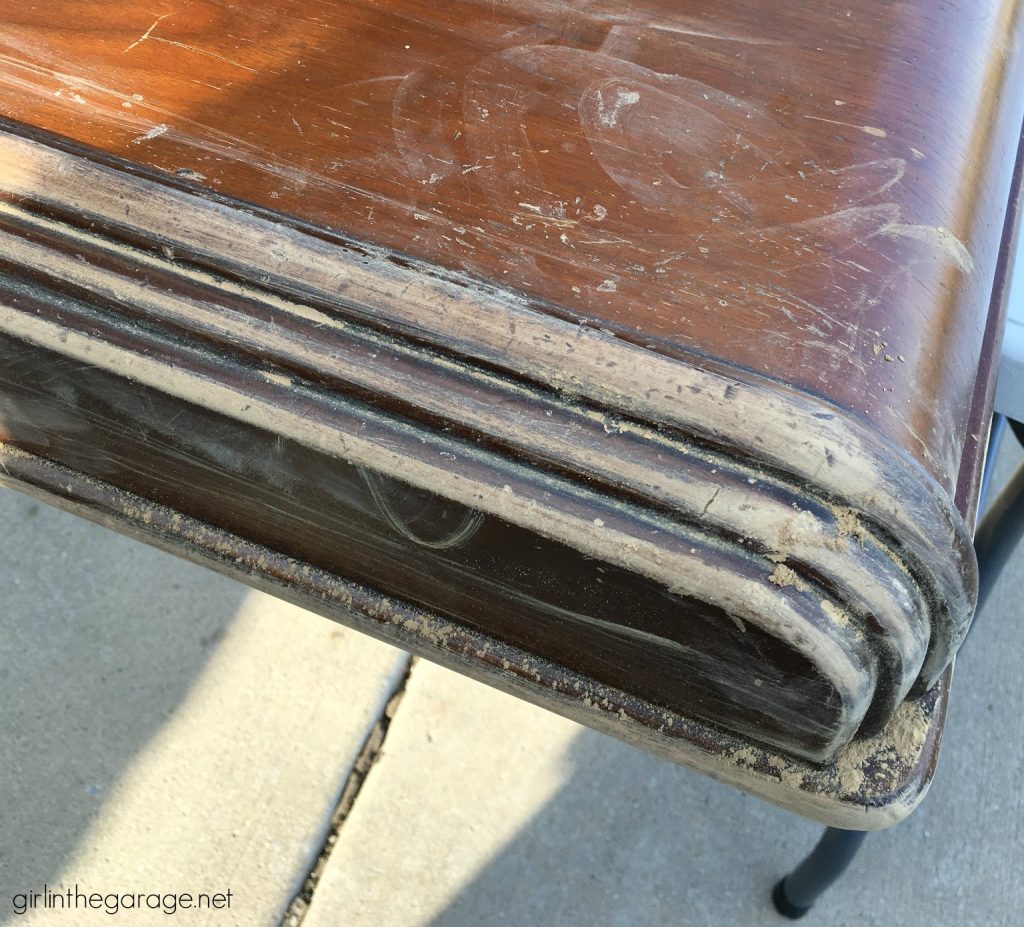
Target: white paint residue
[(609, 116), (867, 130), (609, 286), (75, 97), (272, 376), (189, 174), (706, 34), (155, 132), (939, 237)]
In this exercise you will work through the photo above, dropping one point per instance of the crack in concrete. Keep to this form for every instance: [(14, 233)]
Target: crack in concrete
[(365, 760)]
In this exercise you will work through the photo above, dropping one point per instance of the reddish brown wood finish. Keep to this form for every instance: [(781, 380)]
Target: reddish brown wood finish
[(654, 341), (829, 175)]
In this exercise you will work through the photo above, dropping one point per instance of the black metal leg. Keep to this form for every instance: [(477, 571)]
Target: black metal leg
[(995, 439), (1018, 430), (999, 533), (997, 536), (1000, 524), (796, 893)]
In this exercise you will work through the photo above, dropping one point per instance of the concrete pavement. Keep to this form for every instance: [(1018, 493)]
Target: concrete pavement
[(164, 729)]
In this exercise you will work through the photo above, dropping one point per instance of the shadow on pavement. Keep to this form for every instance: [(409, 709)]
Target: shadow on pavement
[(101, 639)]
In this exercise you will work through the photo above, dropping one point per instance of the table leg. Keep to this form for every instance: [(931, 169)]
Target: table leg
[(998, 535), (1000, 531), (795, 894)]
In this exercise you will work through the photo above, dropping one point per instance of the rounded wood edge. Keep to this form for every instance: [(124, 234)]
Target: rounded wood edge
[(873, 784), (818, 450)]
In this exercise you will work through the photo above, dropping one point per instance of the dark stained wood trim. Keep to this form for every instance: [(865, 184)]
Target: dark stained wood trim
[(849, 483), (872, 784), (968, 484)]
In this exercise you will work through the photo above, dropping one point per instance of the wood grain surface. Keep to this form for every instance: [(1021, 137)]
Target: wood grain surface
[(656, 342), (828, 175)]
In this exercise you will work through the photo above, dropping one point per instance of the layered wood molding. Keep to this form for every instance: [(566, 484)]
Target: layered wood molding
[(546, 479), (779, 580)]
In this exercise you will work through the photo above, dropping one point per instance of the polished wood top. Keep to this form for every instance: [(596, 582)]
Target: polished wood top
[(802, 191)]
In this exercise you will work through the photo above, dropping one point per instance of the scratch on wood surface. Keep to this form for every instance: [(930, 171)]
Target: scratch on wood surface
[(155, 132), (678, 26), (719, 36), (145, 35), (209, 54), (868, 130), (208, 139)]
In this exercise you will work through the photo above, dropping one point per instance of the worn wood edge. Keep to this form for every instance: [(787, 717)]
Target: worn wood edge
[(815, 547), (838, 456), (905, 523), (610, 530), (873, 784), (968, 489)]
